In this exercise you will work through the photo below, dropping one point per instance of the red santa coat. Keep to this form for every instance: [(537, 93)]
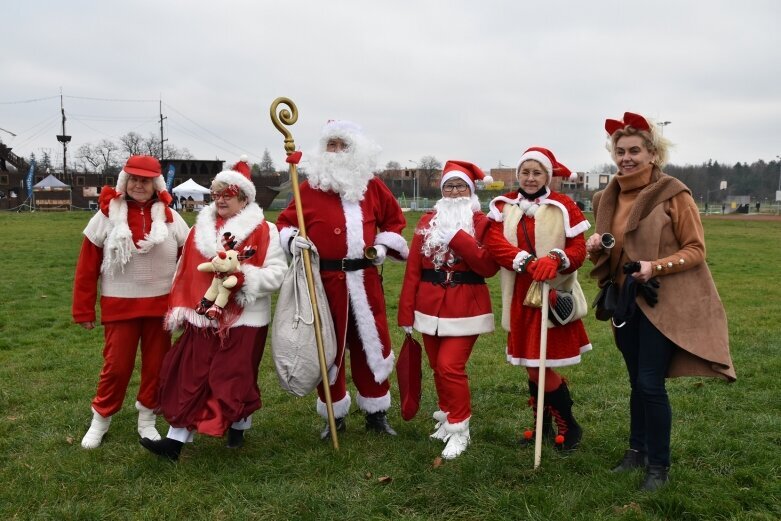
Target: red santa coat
[(444, 310), (567, 342), (341, 229)]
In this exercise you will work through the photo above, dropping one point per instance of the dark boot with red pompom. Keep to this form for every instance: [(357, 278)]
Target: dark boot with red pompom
[(559, 403), (547, 422)]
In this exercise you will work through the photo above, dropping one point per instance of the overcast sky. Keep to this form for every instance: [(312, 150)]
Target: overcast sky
[(473, 80)]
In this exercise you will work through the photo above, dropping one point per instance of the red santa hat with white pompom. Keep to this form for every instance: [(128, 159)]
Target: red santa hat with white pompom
[(548, 161), (468, 172)]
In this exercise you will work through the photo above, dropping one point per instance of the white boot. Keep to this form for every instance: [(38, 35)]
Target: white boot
[(146, 423), (457, 439), (439, 428), (97, 429)]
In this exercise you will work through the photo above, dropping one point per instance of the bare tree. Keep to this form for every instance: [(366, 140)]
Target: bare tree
[(89, 157), (429, 168), (108, 152), (132, 143), (392, 165)]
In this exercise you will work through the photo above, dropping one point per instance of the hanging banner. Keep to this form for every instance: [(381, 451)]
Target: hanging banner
[(28, 182), (169, 178)]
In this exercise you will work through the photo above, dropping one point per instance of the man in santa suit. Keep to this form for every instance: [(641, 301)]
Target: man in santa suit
[(346, 209), (445, 297), (131, 246)]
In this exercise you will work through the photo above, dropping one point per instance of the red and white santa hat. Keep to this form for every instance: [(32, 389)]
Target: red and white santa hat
[(548, 161), (240, 176), (142, 166), (466, 171)]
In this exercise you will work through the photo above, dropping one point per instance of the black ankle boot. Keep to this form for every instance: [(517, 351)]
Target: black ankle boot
[(547, 421), (166, 447), (633, 459), (235, 438), (559, 404), (655, 477), (340, 427), (378, 422)]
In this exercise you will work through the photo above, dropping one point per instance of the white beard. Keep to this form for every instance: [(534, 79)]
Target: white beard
[(452, 214), (345, 173)]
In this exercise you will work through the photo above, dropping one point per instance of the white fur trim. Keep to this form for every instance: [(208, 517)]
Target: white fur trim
[(263, 281), (208, 239), (459, 175), (523, 254), (122, 181), (118, 246), (232, 177), (364, 316), (243, 424), (159, 230), (535, 362), (372, 405), (487, 180), (493, 212), (569, 230), (431, 325), (341, 408), (462, 426), (393, 241), (180, 434), (541, 158)]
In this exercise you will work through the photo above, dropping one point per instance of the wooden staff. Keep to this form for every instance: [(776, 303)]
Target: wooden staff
[(541, 382), (289, 117)]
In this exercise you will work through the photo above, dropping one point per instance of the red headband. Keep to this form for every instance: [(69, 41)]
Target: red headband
[(630, 120)]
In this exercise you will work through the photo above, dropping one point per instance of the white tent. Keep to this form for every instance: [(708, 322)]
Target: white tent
[(190, 189)]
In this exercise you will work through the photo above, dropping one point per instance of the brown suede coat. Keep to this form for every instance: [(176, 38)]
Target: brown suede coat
[(689, 311)]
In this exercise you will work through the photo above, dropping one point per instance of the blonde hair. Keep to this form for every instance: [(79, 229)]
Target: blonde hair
[(653, 140), (219, 186)]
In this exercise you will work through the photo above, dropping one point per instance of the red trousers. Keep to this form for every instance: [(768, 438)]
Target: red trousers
[(119, 358), (447, 356), (362, 375)]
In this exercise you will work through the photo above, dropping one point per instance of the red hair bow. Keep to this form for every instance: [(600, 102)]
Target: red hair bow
[(107, 194), (630, 120)]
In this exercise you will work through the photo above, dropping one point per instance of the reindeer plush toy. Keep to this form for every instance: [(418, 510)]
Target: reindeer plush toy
[(227, 273)]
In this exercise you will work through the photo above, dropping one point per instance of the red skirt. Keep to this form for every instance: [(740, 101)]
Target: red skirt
[(208, 382), (565, 343)]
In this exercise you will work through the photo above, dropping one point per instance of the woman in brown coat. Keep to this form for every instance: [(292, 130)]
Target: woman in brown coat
[(669, 320)]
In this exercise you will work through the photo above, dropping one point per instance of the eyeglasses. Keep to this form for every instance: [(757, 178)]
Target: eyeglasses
[(221, 195), (457, 188)]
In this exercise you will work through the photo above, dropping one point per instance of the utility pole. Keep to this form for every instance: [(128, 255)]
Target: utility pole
[(162, 141), (64, 139)]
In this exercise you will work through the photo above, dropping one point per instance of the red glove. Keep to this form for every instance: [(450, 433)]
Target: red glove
[(545, 268), (294, 158)]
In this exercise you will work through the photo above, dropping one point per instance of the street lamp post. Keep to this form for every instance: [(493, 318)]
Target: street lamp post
[(663, 124), (414, 183)]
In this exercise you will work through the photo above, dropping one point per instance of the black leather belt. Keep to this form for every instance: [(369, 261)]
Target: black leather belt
[(451, 277), (344, 264)]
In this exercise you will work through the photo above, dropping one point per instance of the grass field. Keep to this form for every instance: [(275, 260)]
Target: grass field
[(726, 438)]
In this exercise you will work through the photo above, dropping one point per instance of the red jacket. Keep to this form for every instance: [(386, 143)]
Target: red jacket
[(449, 310)]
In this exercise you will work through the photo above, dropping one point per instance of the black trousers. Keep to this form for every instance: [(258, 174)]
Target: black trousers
[(647, 354)]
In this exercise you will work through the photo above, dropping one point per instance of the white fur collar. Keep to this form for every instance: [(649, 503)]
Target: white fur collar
[(208, 239)]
